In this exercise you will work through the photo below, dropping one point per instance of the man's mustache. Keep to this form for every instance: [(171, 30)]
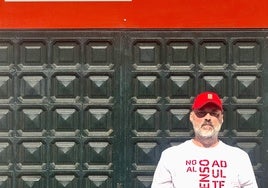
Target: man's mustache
[(207, 123)]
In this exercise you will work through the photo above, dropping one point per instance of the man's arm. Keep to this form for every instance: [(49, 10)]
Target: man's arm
[(162, 177), (246, 175)]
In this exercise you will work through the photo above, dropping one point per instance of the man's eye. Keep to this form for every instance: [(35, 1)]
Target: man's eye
[(201, 114), (215, 114)]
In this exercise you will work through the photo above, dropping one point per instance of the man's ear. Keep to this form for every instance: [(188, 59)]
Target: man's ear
[(191, 116)]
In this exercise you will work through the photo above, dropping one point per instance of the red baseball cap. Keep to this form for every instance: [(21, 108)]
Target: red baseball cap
[(207, 97)]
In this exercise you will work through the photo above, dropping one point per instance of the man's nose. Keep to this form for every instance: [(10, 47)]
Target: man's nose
[(208, 116)]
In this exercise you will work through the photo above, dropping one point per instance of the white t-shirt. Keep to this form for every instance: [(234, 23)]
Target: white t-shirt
[(190, 166)]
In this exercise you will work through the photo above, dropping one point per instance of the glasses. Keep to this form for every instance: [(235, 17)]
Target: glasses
[(202, 113)]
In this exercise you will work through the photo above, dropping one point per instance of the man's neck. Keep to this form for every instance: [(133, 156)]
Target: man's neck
[(206, 142)]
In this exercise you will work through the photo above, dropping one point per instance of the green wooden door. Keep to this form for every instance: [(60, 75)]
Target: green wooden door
[(60, 110), (88, 109), (166, 69)]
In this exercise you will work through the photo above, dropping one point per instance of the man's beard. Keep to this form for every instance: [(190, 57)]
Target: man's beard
[(211, 132)]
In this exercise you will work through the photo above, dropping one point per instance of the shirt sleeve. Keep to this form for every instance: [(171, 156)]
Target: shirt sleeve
[(246, 176), (162, 176)]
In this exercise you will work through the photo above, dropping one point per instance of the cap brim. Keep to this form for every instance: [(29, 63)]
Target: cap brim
[(208, 102)]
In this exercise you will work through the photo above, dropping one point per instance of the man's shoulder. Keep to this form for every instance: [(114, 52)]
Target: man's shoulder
[(234, 149)]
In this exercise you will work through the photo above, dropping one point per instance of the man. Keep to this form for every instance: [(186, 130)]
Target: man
[(204, 161)]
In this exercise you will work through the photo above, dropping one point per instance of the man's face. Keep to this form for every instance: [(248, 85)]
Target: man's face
[(207, 121)]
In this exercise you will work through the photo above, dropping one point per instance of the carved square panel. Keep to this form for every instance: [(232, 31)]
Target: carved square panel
[(178, 122), (99, 88), (65, 121), (145, 154), (6, 88), (31, 155), (98, 181), (32, 121), (6, 181), (213, 54), (100, 54), (142, 181), (247, 122), (146, 54), (32, 86), (31, 181), (6, 155), (64, 181), (98, 155), (146, 87), (66, 53), (247, 88), (33, 53), (214, 82), (146, 122), (6, 120), (64, 155), (180, 55), (246, 54), (6, 54), (98, 122), (179, 88), (65, 86)]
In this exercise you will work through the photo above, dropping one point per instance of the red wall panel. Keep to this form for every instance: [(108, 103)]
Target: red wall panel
[(135, 14)]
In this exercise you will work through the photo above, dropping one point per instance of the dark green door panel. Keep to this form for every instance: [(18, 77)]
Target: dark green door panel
[(167, 69), (86, 109), (59, 110)]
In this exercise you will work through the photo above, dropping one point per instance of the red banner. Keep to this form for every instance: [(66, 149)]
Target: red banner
[(38, 14)]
